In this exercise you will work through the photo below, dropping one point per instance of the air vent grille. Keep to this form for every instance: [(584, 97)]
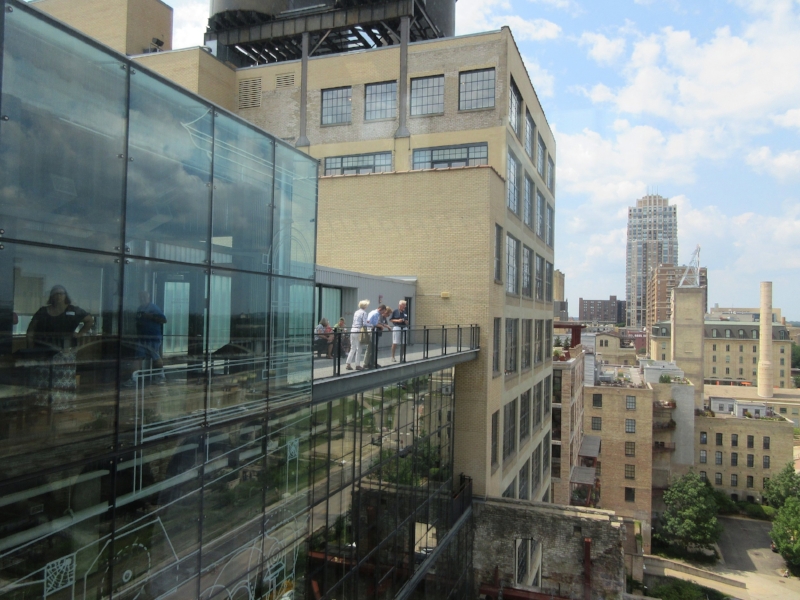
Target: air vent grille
[(250, 93), (284, 80)]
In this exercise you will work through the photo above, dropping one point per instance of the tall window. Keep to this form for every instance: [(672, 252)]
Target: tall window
[(512, 265), (380, 101), (541, 152), (717, 458), (766, 442), (536, 468), (540, 215), (509, 429), (630, 425), (630, 494), (751, 460), (718, 439), (359, 164), (734, 439), (496, 345), (510, 490), (548, 282), (548, 338), (527, 272), (630, 471), (336, 105), (524, 482), (539, 341), (537, 405), (703, 437), (546, 454), (734, 480), (734, 459), (514, 106), (630, 402), (548, 393), (512, 183), (446, 157), (527, 343), (551, 174), (427, 95), (512, 331), (527, 206), (476, 89), (751, 440), (765, 462), (703, 456), (630, 448), (550, 226), (718, 478), (530, 131), (498, 253), (495, 434), (524, 416), (597, 423), (597, 400), (539, 277)]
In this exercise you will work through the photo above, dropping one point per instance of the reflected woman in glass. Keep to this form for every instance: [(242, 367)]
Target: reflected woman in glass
[(54, 332)]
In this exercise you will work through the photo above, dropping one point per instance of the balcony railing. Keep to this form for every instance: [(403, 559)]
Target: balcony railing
[(663, 447), (383, 348), (663, 404), (664, 425)]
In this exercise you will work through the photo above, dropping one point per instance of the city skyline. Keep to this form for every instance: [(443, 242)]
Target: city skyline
[(636, 95)]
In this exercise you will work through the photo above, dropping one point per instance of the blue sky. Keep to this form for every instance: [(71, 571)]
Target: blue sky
[(699, 100)]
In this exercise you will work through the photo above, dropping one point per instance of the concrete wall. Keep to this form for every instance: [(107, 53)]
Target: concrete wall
[(683, 436), (686, 343), (559, 532)]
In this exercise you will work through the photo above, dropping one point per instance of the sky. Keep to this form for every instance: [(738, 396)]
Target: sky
[(697, 101)]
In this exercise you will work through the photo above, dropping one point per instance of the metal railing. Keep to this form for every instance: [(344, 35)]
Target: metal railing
[(363, 350)]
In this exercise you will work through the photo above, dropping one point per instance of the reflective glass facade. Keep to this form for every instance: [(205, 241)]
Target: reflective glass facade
[(156, 298)]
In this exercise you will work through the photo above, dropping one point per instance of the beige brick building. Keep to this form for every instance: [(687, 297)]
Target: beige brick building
[(614, 349), (731, 352)]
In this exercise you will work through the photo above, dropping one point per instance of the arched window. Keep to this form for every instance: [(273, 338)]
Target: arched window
[(727, 333), (741, 333), (714, 333)]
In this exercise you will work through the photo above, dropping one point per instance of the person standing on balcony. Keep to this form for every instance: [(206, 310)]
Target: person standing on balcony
[(377, 323), (359, 324), (399, 326)]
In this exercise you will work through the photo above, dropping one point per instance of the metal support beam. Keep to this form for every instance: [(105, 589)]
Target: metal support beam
[(402, 128), (302, 139)]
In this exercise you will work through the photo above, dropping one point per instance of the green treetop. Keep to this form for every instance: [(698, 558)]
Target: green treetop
[(691, 514)]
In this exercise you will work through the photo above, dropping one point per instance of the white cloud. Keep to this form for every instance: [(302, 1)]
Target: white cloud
[(484, 15), (791, 118), (567, 5), (189, 18), (602, 49), (783, 165), (542, 80)]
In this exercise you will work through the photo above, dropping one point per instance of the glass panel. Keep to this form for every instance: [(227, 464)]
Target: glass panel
[(294, 238), (163, 367), (157, 520), (292, 326), (233, 507), (238, 346), (243, 170), (169, 173), (61, 164), (58, 356), (55, 535)]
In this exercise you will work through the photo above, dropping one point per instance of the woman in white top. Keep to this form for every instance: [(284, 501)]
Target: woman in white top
[(359, 321)]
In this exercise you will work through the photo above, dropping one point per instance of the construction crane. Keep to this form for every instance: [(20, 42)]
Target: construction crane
[(691, 277)]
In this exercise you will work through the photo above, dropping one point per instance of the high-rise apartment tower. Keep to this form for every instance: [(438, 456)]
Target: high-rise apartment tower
[(652, 240)]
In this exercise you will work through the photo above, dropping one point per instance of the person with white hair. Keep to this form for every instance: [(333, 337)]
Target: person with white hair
[(359, 324), (399, 326)]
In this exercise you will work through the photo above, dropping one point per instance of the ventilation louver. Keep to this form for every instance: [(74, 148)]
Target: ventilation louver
[(250, 93), (284, 80)]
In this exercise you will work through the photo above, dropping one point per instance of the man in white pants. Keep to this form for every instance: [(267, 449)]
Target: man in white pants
[(399, 325)]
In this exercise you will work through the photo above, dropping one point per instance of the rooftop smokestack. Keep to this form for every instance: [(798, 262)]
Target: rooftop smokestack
[(765, 343)]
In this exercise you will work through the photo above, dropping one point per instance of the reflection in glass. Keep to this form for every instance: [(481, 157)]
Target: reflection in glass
[(58, 351), (164, 336), (243, 171), (61, 179), (294, 243), (292, 319), (55, 535), (169, 173)]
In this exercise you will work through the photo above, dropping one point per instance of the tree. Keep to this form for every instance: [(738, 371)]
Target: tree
[(691, 514), (784, 485), (786, 531), (795, 356)]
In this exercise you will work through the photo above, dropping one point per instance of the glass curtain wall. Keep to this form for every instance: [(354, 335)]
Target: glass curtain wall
[(156, 298)]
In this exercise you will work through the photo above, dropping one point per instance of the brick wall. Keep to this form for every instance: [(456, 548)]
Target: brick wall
[(559, 532)]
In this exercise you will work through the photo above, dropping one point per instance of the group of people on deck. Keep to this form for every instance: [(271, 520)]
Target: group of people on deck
[(364, 334)]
